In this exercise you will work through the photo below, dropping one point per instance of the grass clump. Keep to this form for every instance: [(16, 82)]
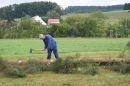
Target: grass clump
[(63, 66), (10, 70), (68, 65), (34, 66), (121, 67), (71, 65), (126, 51), (3, 64), (91, 68), (14, 72)]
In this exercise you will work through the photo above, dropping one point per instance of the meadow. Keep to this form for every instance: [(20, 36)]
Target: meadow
[(114, 16), (13, 49), (16, 49)]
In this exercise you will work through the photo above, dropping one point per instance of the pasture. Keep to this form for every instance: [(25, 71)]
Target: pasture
[(15, 49), (114, 16), (87, 47)]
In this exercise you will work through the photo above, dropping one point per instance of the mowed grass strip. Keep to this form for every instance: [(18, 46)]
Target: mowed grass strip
[(87, 47), (105, 78)]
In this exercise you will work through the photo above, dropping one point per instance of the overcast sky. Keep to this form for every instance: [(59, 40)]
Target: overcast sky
[(65, 3)]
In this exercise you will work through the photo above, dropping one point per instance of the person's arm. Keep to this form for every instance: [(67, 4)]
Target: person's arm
[(45, 45), (49, 43)]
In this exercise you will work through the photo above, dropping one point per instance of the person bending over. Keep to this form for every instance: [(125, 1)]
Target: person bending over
[(49, 45)]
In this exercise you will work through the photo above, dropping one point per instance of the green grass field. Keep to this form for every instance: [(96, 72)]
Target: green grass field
[(11, 49), (87, 47), (114, 16)]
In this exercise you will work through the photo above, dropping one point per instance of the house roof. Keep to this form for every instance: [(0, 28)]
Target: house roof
[(53, 21), (38, 19)]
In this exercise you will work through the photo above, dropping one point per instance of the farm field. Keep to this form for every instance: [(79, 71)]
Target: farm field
[(13, 49), (87, 47), (114, 16)]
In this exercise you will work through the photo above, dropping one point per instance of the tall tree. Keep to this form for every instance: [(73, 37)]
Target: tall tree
[(53, 14), (99, 15), (32, 9), (124, 27)]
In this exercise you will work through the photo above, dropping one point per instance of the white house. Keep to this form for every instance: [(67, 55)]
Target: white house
[(38, 19)]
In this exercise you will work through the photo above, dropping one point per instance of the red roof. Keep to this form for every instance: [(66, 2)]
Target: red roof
[(53, 21)]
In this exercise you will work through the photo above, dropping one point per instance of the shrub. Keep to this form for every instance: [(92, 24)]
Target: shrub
[(46, 67), (14, 72), (34, 66), (91, 68), (71, 65), (121, 67), (32, 70), (3, 64), (63, 66)]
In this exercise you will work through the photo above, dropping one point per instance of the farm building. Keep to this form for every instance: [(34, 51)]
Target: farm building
[(38, 19), (53, 21)]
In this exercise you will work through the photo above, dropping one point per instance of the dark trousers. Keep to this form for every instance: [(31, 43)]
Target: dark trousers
[(55, 52)]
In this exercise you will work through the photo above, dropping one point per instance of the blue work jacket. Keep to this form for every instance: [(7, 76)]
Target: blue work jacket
[(49, 42)]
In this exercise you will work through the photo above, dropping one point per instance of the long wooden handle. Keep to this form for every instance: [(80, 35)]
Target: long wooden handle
[(37, 49)]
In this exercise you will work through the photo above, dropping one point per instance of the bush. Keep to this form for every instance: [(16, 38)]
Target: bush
[(121, 67), (32, 70), (63, 66), (46, 67), (3, 64), (67, 65), (14, 72), (91, 69), (34, 66)]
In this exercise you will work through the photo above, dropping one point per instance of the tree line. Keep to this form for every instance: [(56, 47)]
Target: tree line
[(127, 6), (32, 9), (93, 25), (43, 7), (89, 9)]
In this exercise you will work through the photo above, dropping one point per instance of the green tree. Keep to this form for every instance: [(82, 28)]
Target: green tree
[(73, 32), (38, 28), (53, 14), (72, 20), (62, 30), (90, 26), (59, 10), (87, 27), (25, 27), (99, 16), (32, 9), (52, 30), (124, 28)]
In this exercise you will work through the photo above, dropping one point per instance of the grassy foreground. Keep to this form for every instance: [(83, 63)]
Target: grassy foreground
[(12, 49), (107, 78)]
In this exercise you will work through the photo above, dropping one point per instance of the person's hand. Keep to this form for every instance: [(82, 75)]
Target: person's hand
[(46, 49), (43, 48)]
